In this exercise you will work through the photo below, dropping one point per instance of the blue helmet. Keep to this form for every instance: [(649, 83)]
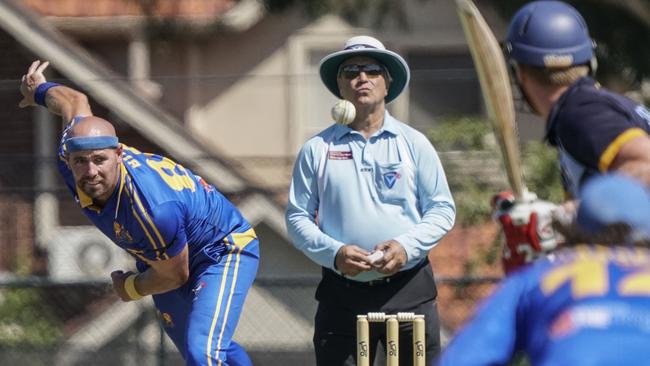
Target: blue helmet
[(549, 34)]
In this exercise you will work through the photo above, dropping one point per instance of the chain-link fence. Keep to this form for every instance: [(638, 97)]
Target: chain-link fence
[(44, 322), (56, 304), (57, 307)]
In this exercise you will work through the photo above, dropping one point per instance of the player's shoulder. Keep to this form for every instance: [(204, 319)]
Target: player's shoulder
[(588, 101), (592, 115)]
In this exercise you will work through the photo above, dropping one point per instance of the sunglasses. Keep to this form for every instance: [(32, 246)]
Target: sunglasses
[(352, 71)]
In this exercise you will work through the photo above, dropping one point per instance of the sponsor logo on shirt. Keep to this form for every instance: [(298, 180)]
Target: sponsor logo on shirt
[(339, 155), (391, 178), (205, 185)]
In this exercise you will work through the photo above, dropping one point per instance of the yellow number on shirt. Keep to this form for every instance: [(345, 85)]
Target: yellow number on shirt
[(635, 284), (588, 275), (128, 159), (173, 174)]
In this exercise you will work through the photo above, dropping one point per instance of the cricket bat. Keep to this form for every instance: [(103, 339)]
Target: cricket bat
[(495, 85)]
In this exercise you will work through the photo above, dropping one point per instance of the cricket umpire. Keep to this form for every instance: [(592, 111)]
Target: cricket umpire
[(373, 186), (195, 253)]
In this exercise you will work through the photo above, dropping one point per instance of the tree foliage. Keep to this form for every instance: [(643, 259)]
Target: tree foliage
[(472, 192), (621, 35), (621, 32), (26, 321)]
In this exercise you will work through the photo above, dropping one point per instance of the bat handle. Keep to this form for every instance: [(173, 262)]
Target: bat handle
[(526, 196)]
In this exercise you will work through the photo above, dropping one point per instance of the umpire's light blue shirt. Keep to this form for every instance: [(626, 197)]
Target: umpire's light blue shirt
[(349, 190)]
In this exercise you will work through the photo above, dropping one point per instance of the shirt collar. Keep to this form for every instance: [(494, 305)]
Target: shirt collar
[(390, 126)]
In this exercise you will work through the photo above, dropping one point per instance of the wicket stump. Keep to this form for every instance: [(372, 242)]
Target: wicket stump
[(392, 337)]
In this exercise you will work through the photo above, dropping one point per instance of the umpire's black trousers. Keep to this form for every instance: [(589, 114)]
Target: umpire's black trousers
[(340, 300)]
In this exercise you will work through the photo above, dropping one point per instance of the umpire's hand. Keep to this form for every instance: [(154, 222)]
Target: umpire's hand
[(394, 257), (351, 260)]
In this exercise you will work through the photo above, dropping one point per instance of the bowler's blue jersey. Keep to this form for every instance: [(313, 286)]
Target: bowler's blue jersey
[(159, 207), (588, 306), (589, 125)]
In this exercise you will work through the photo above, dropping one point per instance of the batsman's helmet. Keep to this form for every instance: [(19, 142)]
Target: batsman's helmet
[(549, 34)]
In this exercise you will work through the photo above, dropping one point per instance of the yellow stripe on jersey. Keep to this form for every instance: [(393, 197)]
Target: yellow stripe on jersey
[(243, 239), (240, 241), (615, 146), (139, 254), (147, 218), (131, 192), (224, 279)]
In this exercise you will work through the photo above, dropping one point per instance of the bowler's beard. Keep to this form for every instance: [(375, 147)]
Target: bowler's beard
[(99, 192), (93, 190)]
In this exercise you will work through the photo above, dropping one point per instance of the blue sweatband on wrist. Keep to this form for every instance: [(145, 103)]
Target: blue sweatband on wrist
[(41, 91), (73, 144)]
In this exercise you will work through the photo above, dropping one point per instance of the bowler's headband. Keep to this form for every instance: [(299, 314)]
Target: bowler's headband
[(73, 144)]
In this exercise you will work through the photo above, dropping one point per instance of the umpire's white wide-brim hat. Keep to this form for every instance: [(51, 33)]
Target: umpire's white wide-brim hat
[(370, 47)]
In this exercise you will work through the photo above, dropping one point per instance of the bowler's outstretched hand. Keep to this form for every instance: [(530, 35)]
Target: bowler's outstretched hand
[(118, 278), (30, 81)]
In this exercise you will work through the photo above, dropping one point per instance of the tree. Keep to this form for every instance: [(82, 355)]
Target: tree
[(621, 29)]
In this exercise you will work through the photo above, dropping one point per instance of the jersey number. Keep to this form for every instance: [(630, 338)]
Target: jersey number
[(173, 174), (590, 277)]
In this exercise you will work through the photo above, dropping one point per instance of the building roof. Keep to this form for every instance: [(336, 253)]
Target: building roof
[(108, 8)]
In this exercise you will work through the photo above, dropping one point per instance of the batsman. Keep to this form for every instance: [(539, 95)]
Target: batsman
[(594, 130), (195, 253)]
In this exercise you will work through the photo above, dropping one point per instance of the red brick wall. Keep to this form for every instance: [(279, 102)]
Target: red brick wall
[(16, 235), (465, 252)]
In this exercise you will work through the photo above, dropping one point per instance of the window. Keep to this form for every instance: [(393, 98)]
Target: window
[(442, 84)]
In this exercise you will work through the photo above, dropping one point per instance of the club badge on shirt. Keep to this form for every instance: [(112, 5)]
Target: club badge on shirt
[(390, 178), (339, 155), (121, 234), (166, 319)]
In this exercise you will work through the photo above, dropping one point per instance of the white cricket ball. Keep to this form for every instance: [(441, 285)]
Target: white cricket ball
[(343, 112), (375, 256)]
